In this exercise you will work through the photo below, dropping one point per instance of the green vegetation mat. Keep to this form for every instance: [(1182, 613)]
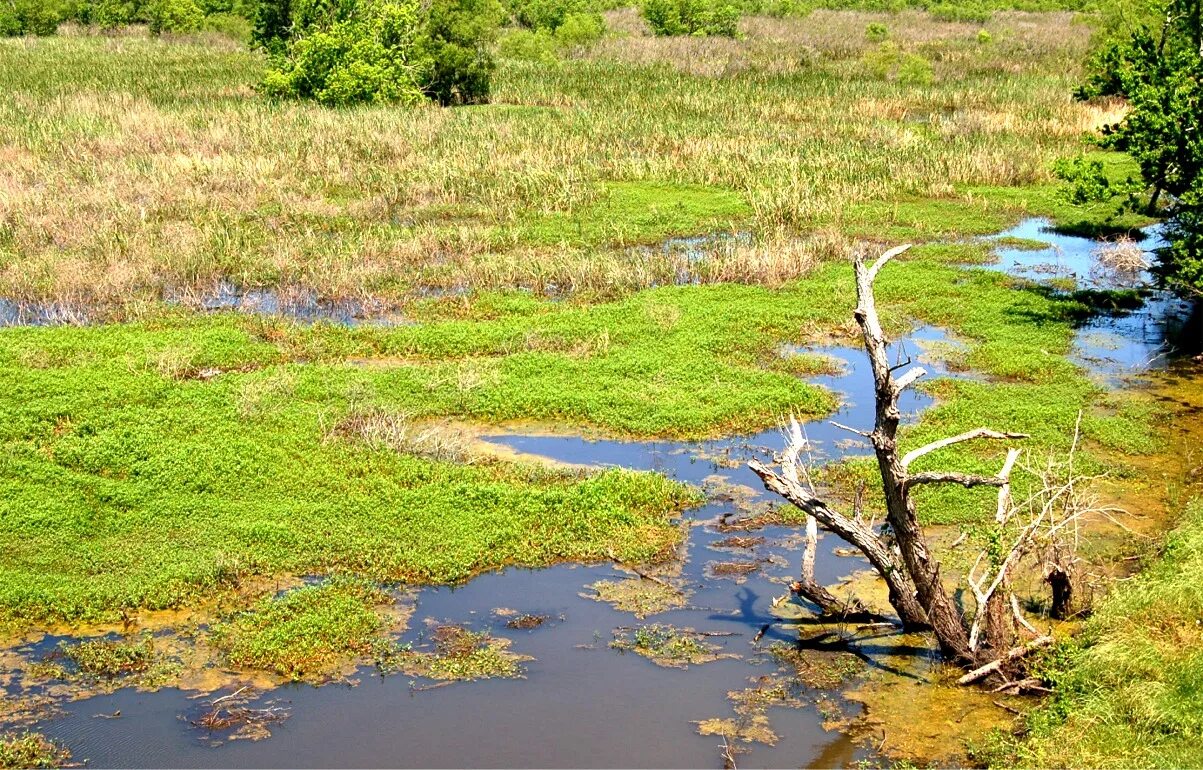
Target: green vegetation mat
[(147, 464)]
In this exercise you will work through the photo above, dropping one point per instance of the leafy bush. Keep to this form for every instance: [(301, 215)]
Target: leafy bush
[(691, 17), (890, 62), (544, 14), (579, 30), (29, 17), (877, 32), (231, 25), (110, 14), (341, 52), (914, 70), (370, 58), (528, 45), (984, 37), (457, 36), (174, 16)]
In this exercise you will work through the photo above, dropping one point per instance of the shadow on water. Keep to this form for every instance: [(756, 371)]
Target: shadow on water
[(583, 704)]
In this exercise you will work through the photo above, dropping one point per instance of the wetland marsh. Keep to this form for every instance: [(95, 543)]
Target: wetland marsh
[(417, 436)]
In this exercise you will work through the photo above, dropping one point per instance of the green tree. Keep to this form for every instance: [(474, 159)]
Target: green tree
[(457, 40), (1153, 58)]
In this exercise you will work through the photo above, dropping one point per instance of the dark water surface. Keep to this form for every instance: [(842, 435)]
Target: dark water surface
[(581, 703)]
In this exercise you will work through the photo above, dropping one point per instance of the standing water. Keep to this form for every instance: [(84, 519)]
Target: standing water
[(582, 703)]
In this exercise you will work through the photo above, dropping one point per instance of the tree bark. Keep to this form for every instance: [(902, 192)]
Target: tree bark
[(902, 590), (942, 613), (1063, 592)]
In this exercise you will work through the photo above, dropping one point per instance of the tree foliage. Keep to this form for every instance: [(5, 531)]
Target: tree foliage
[(342, 52), (1154, 59), (691, 17)]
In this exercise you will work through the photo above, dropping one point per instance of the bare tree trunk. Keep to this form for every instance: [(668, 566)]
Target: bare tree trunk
[(942, 613), (1060, 580), (909, 569), (902, 591)]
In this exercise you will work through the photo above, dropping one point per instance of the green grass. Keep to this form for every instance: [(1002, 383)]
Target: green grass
[(639, 212), (1127, 689), (309, 630)]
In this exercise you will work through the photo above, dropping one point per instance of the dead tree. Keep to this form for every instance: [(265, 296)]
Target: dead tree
[(907, 565)]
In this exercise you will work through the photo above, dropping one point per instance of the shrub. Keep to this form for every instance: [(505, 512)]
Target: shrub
[(579, 30), (340, 52), (914, 70), (354, 61), (231, 25), (877, 32), (984, 37), (544, 14), (889, 62), (691, 17), (174, 16), (270, 25), (29, 17), (457, 38), (528, 45), (110, 14)]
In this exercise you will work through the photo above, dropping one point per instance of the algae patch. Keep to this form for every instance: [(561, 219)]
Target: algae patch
[(670, 646), (638, 596), (454, 653)]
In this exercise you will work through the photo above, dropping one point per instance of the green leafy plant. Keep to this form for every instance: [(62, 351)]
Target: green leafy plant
[(174, 16), (344, 52), (877, 32), (700, 18), (29, 17), (1159, 71), (455, 41)]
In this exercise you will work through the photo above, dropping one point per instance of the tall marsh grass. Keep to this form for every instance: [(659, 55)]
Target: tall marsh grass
[(133, 167)]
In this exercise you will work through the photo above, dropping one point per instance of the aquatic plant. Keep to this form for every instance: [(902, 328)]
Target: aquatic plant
[(20, 751), (309, 631)]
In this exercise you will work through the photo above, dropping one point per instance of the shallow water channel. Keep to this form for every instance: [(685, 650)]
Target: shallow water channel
[(582, 703)]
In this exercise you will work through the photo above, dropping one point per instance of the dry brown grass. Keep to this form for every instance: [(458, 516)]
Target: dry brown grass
[(134, 169), (380, 429)]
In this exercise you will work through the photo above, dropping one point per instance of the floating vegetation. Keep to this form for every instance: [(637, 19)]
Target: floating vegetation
[(751, 723), (738, 542), (1020, 244), (311, 632), (638, 596), (108, 663), (526, 621), (669, 646), (820, 669), (232, 715), (27, 750), (459, 654), (768, 516), (736, 569)]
